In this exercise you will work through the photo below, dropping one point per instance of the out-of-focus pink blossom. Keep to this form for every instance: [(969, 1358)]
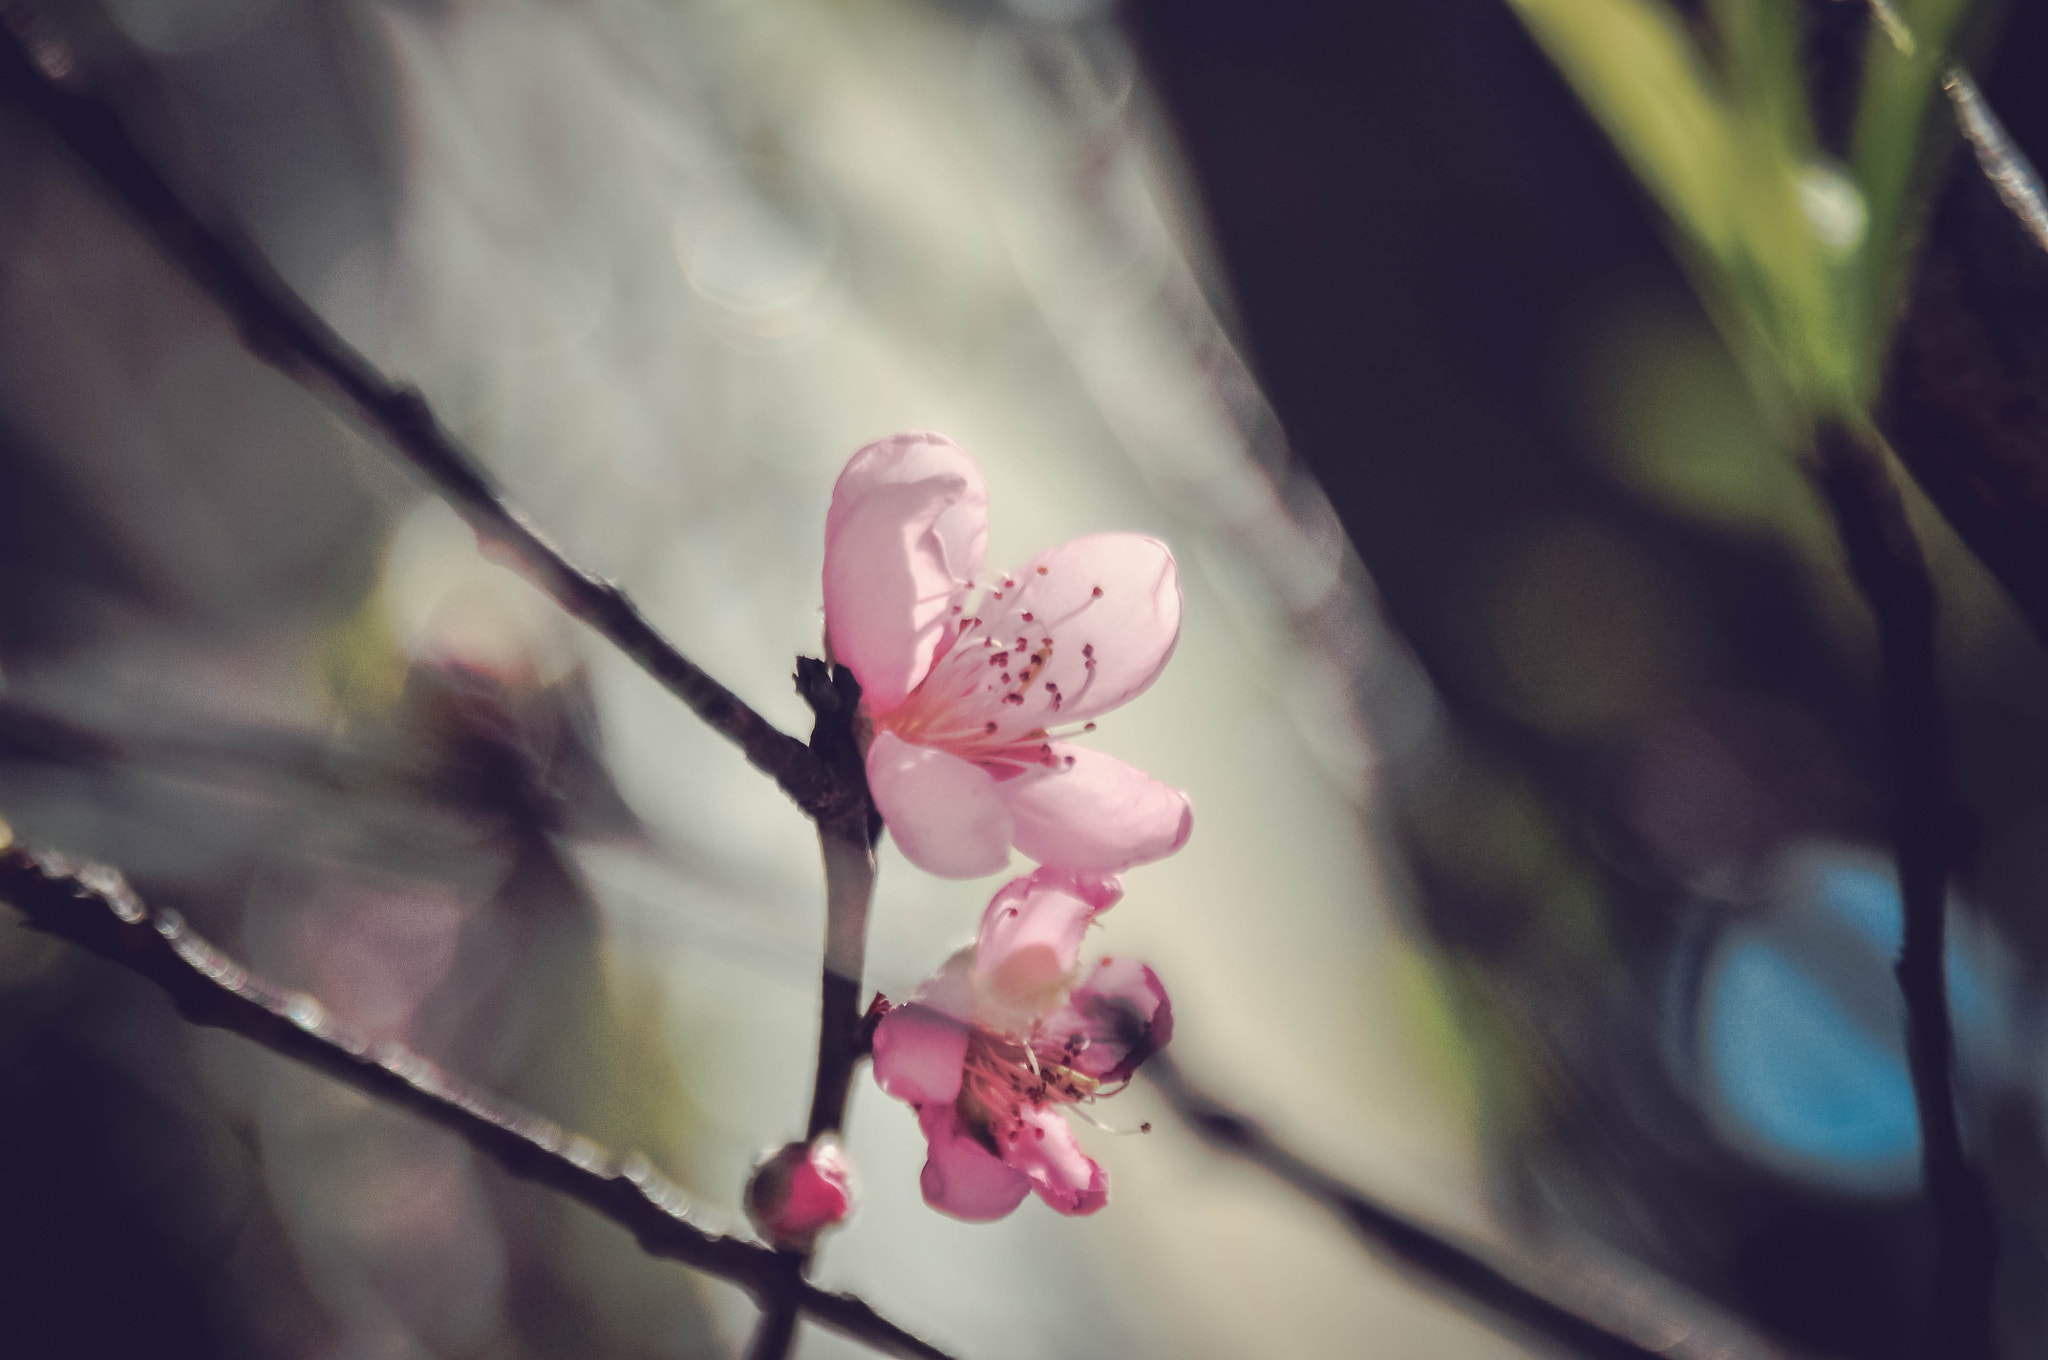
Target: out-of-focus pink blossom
[(1007, 1032), (973, 688), (800, 1191)]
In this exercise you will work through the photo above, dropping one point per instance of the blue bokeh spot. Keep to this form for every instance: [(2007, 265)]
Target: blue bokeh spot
[(1794, 1066)]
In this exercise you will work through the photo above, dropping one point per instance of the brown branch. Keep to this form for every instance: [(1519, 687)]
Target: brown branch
[(847, 841), (91, 906), (283, 331), (1928, 833), (1609, 1319), (775, 1334)]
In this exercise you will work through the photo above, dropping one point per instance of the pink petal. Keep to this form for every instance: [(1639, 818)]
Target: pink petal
[(1052, 650), (950, 991), (945, 813), (1046, 1151), (960, 1177), (906, 532), (918, 1053), (1029, 949), (1129, 629), (1110, 1024), (1096, 814)]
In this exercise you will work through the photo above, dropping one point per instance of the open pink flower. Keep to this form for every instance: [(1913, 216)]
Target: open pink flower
[(968, 685), (1005, 1033)]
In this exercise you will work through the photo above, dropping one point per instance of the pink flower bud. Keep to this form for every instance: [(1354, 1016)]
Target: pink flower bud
[(800, 1191)]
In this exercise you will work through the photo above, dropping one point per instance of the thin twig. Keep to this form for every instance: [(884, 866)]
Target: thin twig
[(91, 906), (847, 842), (1928, 834), (775, 1334), (1613, 1318), (281, 329)]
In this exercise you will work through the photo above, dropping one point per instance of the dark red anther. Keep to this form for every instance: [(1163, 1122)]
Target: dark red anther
[(1043, 570), (1098, 592)]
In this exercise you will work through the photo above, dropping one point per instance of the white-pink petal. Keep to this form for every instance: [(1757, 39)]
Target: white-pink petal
[(1083, 628), (1047, 1152), (1028, 953), (947, 814), (1127, 631), (1096, 814), (918, 1054), (960, 1177), (1111, 1022), (905, 534)]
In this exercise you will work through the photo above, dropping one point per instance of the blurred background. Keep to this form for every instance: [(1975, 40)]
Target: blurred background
[(1539, 882)]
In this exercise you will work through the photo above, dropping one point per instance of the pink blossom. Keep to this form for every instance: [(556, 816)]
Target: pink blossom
[(973, 688), (1007, 1032), (799, 1192)]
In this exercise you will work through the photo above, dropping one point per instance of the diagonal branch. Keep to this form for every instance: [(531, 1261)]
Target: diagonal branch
[(91, 906), (825, 777), (283, 331), (1609, 1319)]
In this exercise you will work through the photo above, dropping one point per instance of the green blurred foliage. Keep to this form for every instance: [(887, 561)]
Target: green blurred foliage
[(1797, 255)]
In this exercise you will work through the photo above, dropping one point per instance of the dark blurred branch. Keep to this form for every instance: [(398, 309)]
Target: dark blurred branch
[(1929, 831), (1609, 1319), (1965, 397), (775, 1334), (91, 906), (282, 330)]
